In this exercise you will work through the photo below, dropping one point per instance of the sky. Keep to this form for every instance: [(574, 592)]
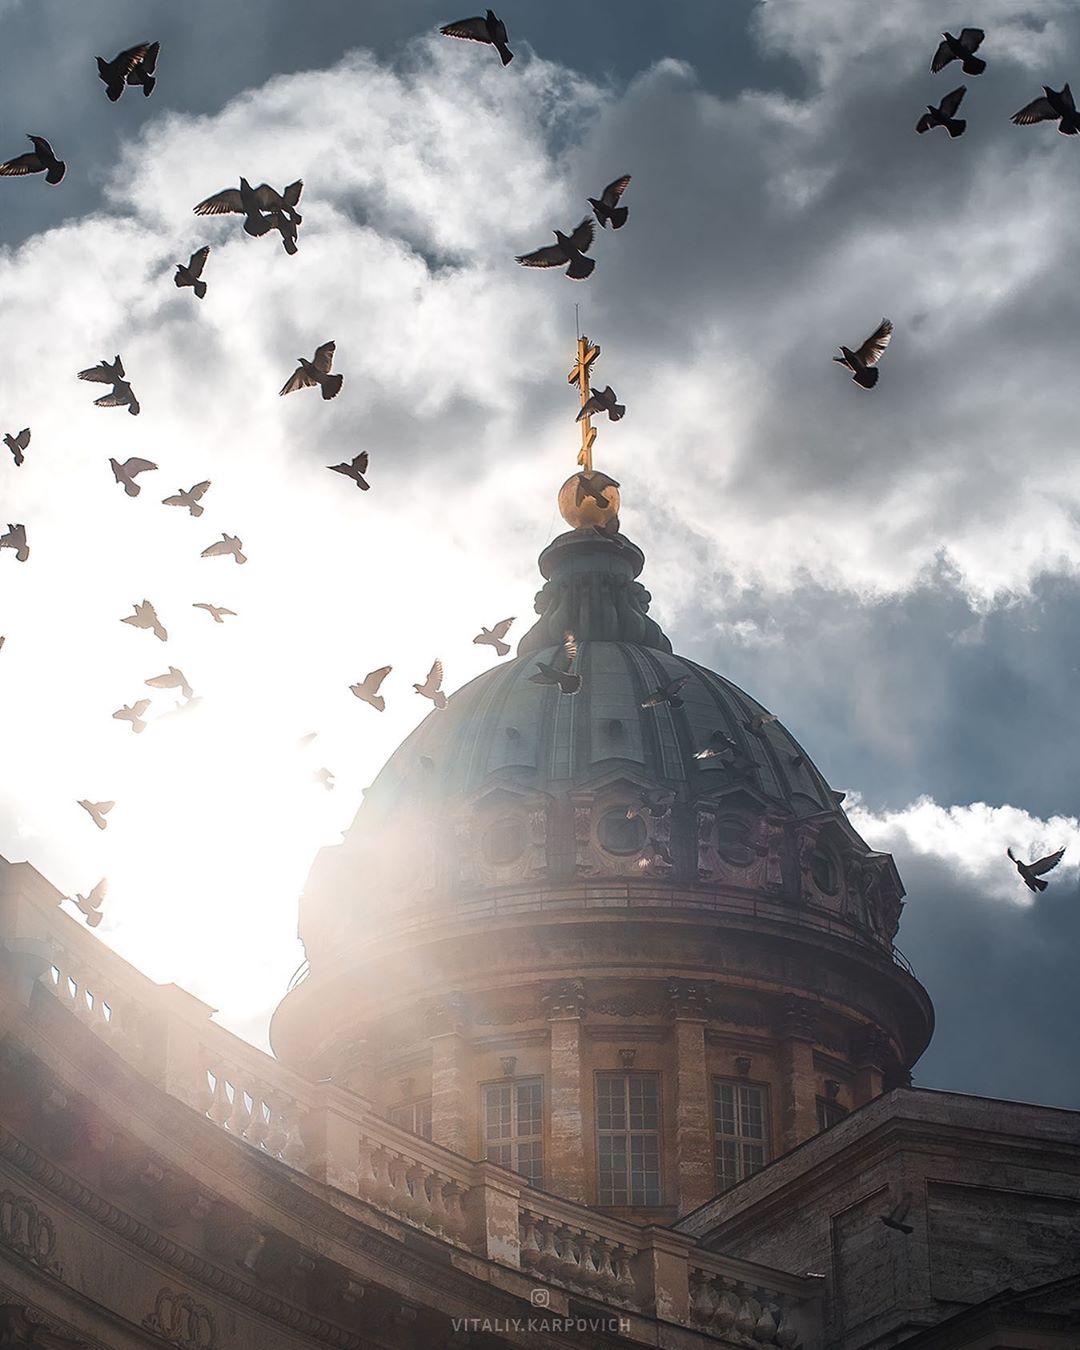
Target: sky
[(895, 574)]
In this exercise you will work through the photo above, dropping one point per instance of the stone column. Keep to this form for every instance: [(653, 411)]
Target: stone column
[(449, 1064), (693, 1146), (870, 1052), (798, 1101), (564, 1168)]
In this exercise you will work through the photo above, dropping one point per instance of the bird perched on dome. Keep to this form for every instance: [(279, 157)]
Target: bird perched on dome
[(97, 811), (368, 689), (493, 637), (1032, 873), (315, 372), (601, 401), (133, 713), (16, 539), (125, 473), (135, 66), (667, 693), (190, 273), (90, 905), (145, 616), (1055, 106), (190, 498), (960, 49), (18, 444), (354, 469), (488, 29), (863, 361), (654, 802), (122, 395), (594, 485), (944, 115), (569, 249), (608, 208), (39, 160), (216, 612), (656, 858), (431, 686), (229, 545), (560, 671), (172, 679), (757, 722)]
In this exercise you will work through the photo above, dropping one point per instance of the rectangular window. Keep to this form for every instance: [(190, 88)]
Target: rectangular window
[(415, 1116), (829, 1113), (514, 1126), (628, 1138), (741, 1132)]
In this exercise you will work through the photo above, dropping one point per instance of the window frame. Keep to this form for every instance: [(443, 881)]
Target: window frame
[(738, 1139), (643, 1200), (418, 1102), (515, 1139), (825, 1105)]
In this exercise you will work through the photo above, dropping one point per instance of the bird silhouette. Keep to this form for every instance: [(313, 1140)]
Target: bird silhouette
[(189, 274), (560, 671), (1055, 106), (122, 395), (134, 66), (355, 469), (667, 693), (608, 208), (944, 115), (594, 485), (39, 160), (602, 401), (896, 1216), (1032, 873), (863, 361), (286, 224), (17, 445), (216, 612), (97, 811), (16, 539), (430, 688), (325, 777), (489, 29), (145, 616), (133, 713), (960, 49), (368, 690), (720, 745), (493, 637), (253, 204), (316, 371), (569, 249), (190, 498), (228, 545), (656, 858), (172, 679), (125, 473), (90, 905), (655, 802), (757, 722)]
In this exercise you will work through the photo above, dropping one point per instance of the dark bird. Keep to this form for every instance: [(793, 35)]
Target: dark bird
[(17, 445), (1054, 106), (656, 858), (757, 722), (655, 802), (125, 473), (560, 671), (122, 395), (216, 612), (896, 1216), (190, 498), (316, 371), (145, 616), (172, 679), (570, 248), (190, 274), (355, 470), (39, 160), (720, 744), (862, 362), (493, 637), (489, 29), (609, 529), (90, 905), (97, 811), (134, 66), (1032, 872), (368, 690), (431, 686), (960, 49), (253, 204), (944, 114), (667, 693), (227, 545), (594, 485), (143, 73), (602, 401), (133, 713), (325, 777), (287, 225), (2, 640), (16, 539), (608, 208)]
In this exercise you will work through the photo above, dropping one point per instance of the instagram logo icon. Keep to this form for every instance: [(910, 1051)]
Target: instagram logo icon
[(540, 1298)]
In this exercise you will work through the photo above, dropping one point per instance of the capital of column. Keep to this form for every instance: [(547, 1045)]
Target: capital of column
[(688, 999), (564, 998)]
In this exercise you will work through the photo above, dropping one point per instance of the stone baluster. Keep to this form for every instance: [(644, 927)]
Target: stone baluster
[(220, 1107), (530, 1248), (548, 1261), (605, 1274), (455, 1195), (625, 1284)]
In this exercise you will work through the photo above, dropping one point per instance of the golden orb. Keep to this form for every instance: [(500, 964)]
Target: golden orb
[(589, 514)]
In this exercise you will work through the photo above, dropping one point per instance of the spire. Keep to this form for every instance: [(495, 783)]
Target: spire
[(589, 499)]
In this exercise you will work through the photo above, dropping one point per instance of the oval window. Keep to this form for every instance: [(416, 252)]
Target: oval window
[(733, 842), (619, 835), (505, 841), (825, 872)]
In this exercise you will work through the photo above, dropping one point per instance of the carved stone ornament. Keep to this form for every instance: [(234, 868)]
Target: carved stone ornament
[(23, 1328), (178, 1319), (806, 842), (769, 841), (564, 998), (687, 999), (27, 1232), (584, 863)]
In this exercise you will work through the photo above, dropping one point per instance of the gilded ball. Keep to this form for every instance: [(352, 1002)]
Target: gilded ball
[(589, 514)]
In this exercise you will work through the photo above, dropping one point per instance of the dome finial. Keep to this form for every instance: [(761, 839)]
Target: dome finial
[(588, 500)]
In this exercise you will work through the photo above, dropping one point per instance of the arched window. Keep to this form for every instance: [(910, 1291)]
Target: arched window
[(826, 871), (733, 841)]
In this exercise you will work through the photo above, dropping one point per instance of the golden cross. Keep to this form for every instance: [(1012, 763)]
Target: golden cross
[(586, 355)]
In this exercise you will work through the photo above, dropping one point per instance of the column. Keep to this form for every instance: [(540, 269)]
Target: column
[(871, 1052), (565, 1166), (449, 1071), (693, 1145), (798, 1101)]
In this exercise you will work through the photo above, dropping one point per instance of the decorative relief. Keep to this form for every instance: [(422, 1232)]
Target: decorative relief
[(806, 842), (564, 998), (584, 864), (687, 999), (27, 1232), (178, 1319), (769, 842), (631, 1005), (797, 1017), (535, 862), (23, 1328)]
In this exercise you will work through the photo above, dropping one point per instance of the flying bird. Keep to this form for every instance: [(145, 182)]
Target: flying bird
[(125, 473), (190, 498), (145, 616), (570, 248), (90, 905), (1032, 872), (315, 371), (355, 469), (896, 1216), (97, 811), (719, 744), (862, 362), (944, 115), (608, 208), (667, 693), (489, 29), (172, 679), (368, 690), (39, 160), (656, 858), (16, 539), (17, 445), (253, 204), (191, 273), (493, 637), (757, 722), (960, 49), (602, 401), (594, 485), (216, 612), (134, 66), (655, 802), (560, 671), (286, 224), (134, 714), (325, 777), (122, 394), (1055, 106), (431, 686), (226, 545)]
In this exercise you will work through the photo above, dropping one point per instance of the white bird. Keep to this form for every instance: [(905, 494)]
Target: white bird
[(125, 473), (145, 616), (215, 611), (133, 713), (493, 637), (368, 690), (190, 498), (16, 539), (90, 905), (227, 546), (430, 688), (97, 812), (172, 679)]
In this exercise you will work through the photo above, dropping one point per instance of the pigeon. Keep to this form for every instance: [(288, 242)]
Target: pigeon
[(944, 114), (719, 744), (315, 371), (305, 741), (2, 640), (594, 485), (560, 670), (190, 275), (609, 529), (172, 679), (667, 693), (1054, 106), (430, 688), (253, 203), (133, 66), (325, 777), (656, 858), (655, 802), (570, 248), (143, 73), (97, 811), (604, 401), (608, 208), (489, 29), (133, 714), (368, 690), (896, 1216), (216, 612), (90, 905), (125, 473), (1032, 872), (355, 470), (960, 49), (226, 545), (122, 395), (190, 498), (757, 722), (145, 616), (39, 160), (862, 362), (493, 637), (16, 539), (17, 445), (286, 226)]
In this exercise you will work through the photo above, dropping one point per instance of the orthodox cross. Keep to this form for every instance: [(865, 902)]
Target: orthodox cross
[(586, 355)]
